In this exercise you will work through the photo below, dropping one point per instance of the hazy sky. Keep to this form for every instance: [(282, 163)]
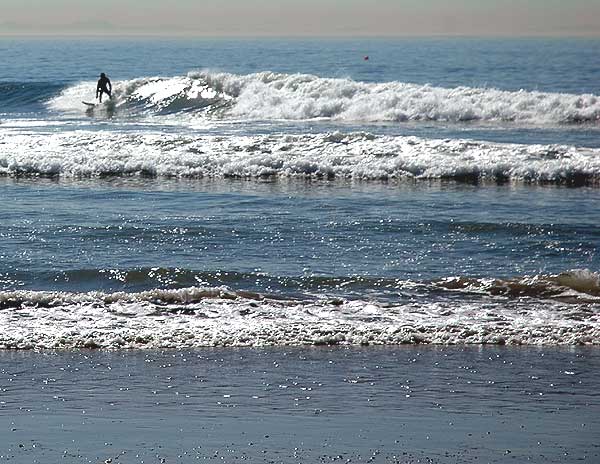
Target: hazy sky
[(303, 17)]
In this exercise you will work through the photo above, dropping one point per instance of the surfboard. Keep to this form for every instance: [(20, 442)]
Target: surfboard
[(91, 105)]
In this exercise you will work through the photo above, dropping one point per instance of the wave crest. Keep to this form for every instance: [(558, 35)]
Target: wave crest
[(575, 286), (269, 96)]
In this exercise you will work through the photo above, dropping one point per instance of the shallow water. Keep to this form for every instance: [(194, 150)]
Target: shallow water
[(442, 405)]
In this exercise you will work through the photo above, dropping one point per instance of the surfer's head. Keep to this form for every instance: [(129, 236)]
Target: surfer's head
[(102, 75)]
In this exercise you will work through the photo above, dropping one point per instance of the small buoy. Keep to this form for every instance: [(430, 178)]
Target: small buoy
[(366, 57)]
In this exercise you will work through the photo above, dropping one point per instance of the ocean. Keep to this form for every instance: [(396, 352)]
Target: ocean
[(410, 227), (277, 192)]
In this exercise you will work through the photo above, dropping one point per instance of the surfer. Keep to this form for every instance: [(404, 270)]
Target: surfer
[(104, 86)]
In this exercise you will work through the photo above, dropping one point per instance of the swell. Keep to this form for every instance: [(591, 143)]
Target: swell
[(20, 97), (181, 286), (276, 96)]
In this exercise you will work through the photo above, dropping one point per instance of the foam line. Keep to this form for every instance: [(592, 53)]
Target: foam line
[(532, 310), (358, 156)]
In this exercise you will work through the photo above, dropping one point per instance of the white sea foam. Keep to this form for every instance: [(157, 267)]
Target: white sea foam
[(336, 155), (270, 95), (551, 313), (555, 309)]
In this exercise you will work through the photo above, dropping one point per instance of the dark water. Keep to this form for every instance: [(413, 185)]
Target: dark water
[(289, 232), (550, 65)]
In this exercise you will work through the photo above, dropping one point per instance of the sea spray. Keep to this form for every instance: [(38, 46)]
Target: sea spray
[(276, 96)]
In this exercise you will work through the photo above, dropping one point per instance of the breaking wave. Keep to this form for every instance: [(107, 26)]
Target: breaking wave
[(559, 309), (268, 96), (356, 156), (574, 286)]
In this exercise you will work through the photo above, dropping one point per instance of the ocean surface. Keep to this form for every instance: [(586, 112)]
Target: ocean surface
[(402, 405), (277, 192)]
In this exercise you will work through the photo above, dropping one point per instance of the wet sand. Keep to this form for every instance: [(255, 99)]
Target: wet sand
[(302, 405)]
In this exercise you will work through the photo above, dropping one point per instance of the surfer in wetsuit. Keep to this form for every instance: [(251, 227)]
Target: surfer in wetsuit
[(104, 86)]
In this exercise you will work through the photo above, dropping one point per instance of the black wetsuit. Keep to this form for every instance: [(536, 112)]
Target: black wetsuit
[(104, 86)]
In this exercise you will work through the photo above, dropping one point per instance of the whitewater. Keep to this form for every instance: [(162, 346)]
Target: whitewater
[(235, 196), (277, 96), (356, 156), (556, 311), (275, 250)]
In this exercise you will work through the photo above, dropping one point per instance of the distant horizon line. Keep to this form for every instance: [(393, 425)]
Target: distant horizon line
[(170, 35)]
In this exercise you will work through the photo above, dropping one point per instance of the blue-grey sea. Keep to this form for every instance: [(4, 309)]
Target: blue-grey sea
[(299, 192), (300, 251)]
